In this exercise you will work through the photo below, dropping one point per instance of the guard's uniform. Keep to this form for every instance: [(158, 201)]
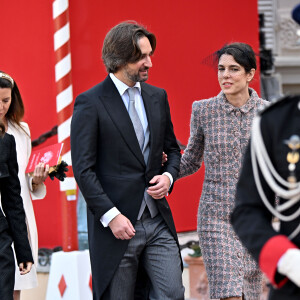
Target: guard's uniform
[(251, 219)]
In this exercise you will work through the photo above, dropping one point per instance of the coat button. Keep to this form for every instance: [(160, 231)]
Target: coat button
[(238, 113)]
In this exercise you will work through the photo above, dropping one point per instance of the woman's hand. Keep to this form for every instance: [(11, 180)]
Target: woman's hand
[(25, 267), (40, 174), (164, 158)]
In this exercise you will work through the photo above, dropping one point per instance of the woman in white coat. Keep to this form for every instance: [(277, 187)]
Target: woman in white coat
[(32, 186)]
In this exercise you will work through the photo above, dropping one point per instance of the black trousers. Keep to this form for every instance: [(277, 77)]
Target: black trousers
[(7, 267), (288, 292)]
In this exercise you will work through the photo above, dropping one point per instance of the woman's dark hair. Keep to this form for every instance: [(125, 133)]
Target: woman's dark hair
[(2, 129), (242, 53), (121, 47), (15, 112)]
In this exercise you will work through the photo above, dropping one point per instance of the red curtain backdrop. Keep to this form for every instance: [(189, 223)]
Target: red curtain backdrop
[(186, 31)]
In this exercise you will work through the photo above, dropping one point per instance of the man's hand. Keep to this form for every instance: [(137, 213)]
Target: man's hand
[(121, 227), (25, 267), (160, 188), (289, 265)]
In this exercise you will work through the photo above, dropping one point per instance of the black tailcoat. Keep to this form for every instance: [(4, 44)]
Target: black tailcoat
[(109, 166)]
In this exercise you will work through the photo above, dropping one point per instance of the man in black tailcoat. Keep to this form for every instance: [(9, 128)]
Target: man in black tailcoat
[(119, 130)]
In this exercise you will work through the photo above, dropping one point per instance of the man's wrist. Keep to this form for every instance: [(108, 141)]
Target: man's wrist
[(109, 216), (170, 178)]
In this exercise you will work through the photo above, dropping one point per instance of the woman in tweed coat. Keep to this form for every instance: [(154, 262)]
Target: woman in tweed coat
[(220, 129)]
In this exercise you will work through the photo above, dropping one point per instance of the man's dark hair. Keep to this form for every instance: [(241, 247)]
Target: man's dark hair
[(120, 45)]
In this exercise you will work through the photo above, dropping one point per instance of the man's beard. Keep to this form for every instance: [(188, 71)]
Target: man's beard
[(136, 77)]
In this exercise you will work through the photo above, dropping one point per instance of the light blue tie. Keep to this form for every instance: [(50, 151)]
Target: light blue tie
[(137, 124), (139, 131)]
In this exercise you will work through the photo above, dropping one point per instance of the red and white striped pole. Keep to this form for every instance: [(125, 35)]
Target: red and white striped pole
[(64, 108)]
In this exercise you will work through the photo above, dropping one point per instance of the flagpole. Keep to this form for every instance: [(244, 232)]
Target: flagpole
[(64, 109)]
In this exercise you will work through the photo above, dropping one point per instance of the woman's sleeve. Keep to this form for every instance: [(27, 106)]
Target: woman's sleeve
[(193, 155), (12, 205)]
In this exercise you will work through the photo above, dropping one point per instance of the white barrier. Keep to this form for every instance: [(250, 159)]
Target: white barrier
[(70, 276)]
